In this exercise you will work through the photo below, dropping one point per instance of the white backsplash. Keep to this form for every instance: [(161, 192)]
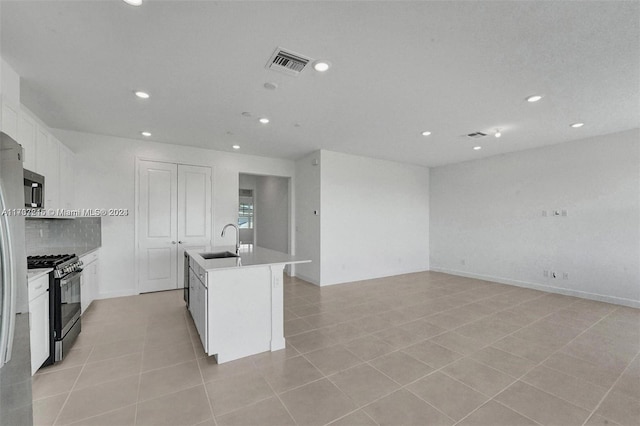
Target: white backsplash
[(48, 236)]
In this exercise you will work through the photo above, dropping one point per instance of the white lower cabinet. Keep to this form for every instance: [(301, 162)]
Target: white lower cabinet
[(39, 321), (90, 281), (198, 304)]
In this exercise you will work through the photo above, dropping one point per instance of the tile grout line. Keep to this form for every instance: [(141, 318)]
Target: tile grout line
[(593, 413), (71, 390), (463, 356), (197, 360), (341, 342), (401, 349), (278, 396), (540, 364)]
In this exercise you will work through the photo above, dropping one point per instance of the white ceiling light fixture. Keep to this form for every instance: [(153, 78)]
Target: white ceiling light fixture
[(321, 66), (133, 2), (145, 134), (534, 98), (498, 133), (577, 125), (264, 120), (236, 147), (141, 94), (426, 133), (477, 148)]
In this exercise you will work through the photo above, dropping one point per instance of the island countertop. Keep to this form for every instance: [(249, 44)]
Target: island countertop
[(249, 257)]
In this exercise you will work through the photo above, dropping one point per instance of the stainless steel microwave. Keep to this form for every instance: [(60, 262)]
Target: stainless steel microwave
[(33, 190)]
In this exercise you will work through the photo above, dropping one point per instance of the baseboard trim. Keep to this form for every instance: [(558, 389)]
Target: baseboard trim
[(543, 287), (307, 279), (375, 277)]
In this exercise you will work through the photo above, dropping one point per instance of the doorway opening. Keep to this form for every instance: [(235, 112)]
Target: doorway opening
[(264, 211)]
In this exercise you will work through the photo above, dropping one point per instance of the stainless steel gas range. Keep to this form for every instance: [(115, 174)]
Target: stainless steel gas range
[(64, 301)]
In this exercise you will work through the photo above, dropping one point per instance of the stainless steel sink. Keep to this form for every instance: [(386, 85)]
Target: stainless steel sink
[(218, 255)]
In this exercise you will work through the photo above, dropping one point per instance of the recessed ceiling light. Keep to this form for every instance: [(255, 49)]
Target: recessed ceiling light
[(145, 134), (534, 98), (498, 133), (236, 147), (426, 133), (142, 95), (133, 2), (264, 120), (576, 125), (321, 66), (477, 148)]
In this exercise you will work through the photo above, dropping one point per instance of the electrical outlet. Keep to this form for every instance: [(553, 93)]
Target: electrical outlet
[(554, 275), (565, 275), (545, 273)]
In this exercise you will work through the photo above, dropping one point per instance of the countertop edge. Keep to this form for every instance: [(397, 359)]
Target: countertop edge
[(206, 264), (34, 274)]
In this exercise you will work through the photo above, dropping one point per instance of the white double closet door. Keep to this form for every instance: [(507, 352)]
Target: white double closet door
[(174, 214)]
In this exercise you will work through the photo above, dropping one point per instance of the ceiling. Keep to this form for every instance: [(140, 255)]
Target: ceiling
[(398, 68)]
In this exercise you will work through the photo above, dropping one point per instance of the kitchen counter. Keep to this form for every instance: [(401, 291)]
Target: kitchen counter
[(249, 257), (237, 304), (33, 274)]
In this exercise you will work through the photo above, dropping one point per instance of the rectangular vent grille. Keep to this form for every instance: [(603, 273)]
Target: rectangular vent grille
[(287, 62), (477, 135)]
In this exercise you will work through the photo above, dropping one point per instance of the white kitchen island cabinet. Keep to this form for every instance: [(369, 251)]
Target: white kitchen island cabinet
[(237, 302)]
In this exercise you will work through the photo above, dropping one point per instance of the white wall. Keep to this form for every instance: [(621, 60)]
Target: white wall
[(307, 229), (272, 213), (374, 218), (105, 178), (489, 214)]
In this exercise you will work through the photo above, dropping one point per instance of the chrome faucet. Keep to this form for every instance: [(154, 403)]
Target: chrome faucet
[(237, 235)]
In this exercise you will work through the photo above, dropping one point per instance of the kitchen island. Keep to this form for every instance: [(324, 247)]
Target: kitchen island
[(237, 302)]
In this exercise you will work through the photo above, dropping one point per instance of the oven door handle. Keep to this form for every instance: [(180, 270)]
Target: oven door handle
[(70, 277)]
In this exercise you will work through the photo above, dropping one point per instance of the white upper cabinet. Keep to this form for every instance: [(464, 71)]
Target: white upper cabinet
[(9, 119), (66, 188), (27, 138), (47, 164), (10, 100), (43, 153)]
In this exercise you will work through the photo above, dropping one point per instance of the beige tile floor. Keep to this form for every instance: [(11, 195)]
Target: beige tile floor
[(417, 349)]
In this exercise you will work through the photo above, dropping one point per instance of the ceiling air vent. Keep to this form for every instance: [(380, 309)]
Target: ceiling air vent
[(287, 62), (477, 135)]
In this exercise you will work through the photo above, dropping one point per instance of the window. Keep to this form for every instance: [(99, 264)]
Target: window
[(245, 212)]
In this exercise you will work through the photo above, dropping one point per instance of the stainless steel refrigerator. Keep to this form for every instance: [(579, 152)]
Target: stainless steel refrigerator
[(15, 353)]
